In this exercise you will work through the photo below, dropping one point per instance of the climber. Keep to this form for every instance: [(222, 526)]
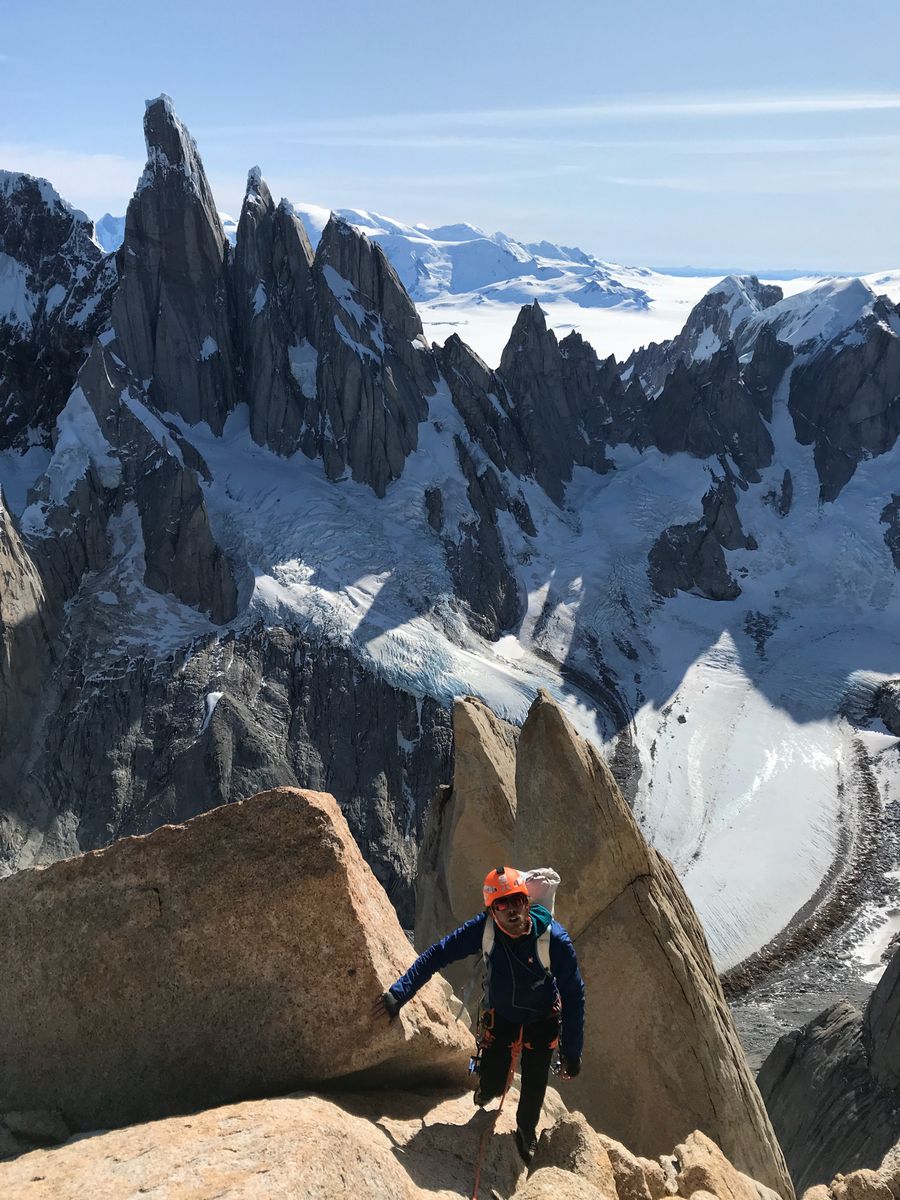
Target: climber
[(528, 991)]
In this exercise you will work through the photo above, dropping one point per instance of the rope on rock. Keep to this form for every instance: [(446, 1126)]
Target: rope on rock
[(515, 1051)]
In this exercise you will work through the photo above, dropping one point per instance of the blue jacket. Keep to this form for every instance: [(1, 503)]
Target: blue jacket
[(518, 986)]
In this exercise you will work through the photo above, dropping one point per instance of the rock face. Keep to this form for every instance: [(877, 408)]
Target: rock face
[(845, 401), (888, 699), (376, 1145), (273, 289), (150, 743), (381, 1145), (690, 558), (172, 312), (263, 907), (833, 1087), (890, 516), (712, 324), (707, 410), (28, 627), (661, 1053), (58, 285), (559, 425), (469, 829), (374, 370)]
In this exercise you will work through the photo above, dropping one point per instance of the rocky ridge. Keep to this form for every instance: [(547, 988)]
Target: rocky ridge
[(55, 291), (661, 1053), (168, 916), (833, 1087)]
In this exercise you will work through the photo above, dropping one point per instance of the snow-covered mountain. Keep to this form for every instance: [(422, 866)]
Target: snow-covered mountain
[(463, 260), (266, 532), (471, 283)]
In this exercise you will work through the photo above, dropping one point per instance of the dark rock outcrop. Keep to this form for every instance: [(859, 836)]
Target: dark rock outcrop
[(61, 286), (476, 391), (711, 325), (890, 516), (560, 417), (172, 314), (134, 744), (374, 370), (690, 558), (334, 359), (832, 1088), (846, 400), (274, 303), (888, 701), (706, 410), (477, 557), (136, 460)]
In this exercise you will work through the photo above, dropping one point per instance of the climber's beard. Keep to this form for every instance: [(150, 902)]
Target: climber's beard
[(513, 921)]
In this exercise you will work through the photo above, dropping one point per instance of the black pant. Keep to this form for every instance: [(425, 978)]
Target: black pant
[(539, 1040)]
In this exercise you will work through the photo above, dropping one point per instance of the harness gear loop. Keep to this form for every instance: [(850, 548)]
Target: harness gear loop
[(515, 1051)]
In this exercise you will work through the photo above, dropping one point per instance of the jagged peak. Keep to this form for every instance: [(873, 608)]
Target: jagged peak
[(459, 356), (171, 149), (575, 345), (531, 316), (337, 236), (363, 264), (257, 195), (12, 182), (747, 290), (531, 322), (337, 226)]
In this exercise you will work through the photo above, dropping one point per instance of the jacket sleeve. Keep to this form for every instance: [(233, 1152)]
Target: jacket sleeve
[(461, 943), (564, 964)]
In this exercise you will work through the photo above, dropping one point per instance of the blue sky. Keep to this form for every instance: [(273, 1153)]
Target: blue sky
[(760, 136)]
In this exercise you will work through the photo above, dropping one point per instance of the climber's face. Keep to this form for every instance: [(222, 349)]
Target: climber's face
[(512, 915)]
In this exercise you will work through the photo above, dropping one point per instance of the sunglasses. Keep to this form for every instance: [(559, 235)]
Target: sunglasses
[(512, 902)]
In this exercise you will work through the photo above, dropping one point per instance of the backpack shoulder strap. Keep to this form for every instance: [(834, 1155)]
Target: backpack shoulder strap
[(543, 949), (487, 938)]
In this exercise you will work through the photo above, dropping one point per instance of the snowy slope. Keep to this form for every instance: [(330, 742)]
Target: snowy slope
[(735, 739), (109, 232), (827, 312), (734, 706)]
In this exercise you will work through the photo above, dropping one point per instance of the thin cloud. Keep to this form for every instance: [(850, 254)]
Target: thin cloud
[(640, 108), (803, 183), (858, 144)]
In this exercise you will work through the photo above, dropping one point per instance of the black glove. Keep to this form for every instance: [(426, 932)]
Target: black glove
[(387, 1005), (569, 1067)]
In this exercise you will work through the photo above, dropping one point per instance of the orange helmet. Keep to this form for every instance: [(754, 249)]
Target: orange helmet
[(503, 882)]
